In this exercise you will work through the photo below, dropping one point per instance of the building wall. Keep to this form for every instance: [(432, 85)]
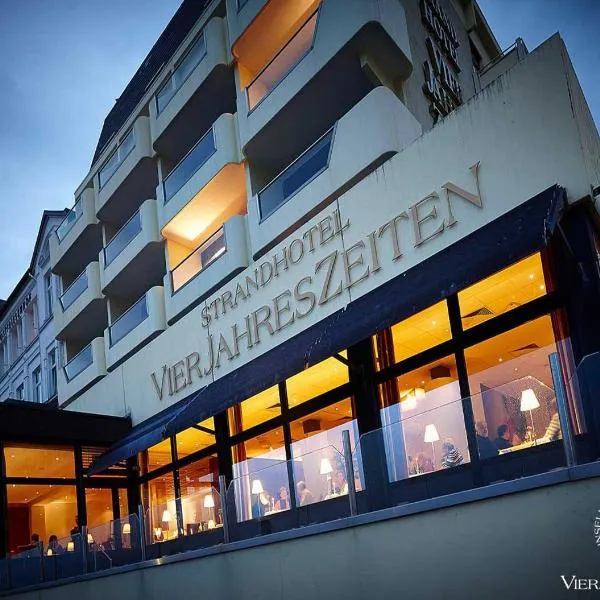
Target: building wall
[(510, 546), (503, 130)]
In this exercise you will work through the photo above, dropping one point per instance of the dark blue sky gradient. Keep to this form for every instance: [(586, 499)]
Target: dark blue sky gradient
[(65, 62)]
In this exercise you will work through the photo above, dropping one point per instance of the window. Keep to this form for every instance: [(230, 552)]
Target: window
[(200, 501), (159, 495), (24, 461), (196, 438), (37, 384), (52, 373), (98, 503), (116, 158), (48, 294), (253, 411), (157, 456), (20, 393)]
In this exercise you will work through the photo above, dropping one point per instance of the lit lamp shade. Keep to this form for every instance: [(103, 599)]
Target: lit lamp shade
[(70, 547), (209, 501), (211, 524), (257, 487), (166, 516), (326, 467), (431, 434), (90, 538), (49, 552), (529, 400), (126, 528)]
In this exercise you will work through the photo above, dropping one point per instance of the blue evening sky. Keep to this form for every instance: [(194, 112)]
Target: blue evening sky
[(65, 61)]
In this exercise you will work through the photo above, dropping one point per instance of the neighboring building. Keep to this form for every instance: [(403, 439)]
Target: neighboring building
[(28, 350), (315, 217)]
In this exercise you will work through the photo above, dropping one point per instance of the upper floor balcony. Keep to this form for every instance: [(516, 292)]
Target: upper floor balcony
[(81, 370), (136, 326), (379, 126), (81, 310), (333, 52), (199, 85), (134, 255), (214, 261), (127, 175), (73, 244), (204, 180)]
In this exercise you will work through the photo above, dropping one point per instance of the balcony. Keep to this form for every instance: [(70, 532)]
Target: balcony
[(128, 174), (327, 50), (219, 258), (211, 168), (200, 86), (81, 310), (375, 129), (134, 256), (82, 371), (73, 244), (139, 324)]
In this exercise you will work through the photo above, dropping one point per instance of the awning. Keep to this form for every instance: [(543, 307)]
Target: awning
[(501, 242)]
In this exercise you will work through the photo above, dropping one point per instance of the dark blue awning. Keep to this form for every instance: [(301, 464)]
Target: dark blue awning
[(507, 239)]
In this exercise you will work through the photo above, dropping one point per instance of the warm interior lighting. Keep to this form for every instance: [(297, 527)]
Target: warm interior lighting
[(431, 434), (49, 552), (209, 501), (90, 538), (166, 516), (126, 528), (70, 547), (325, 467), (211, 524), (529, 400), (158, 532), (257, 487)]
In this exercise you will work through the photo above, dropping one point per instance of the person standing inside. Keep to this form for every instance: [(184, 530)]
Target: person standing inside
[(484, 444)]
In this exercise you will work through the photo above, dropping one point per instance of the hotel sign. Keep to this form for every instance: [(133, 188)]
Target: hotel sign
[(313, 287), (441, 69)]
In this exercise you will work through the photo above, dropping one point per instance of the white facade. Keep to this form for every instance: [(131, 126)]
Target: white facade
[(29, 353), (395, 187)]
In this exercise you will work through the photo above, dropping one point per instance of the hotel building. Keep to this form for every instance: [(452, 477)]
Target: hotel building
[(311, 217)]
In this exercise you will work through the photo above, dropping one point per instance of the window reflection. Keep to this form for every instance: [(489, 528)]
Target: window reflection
[(423, 421), (513, 398)]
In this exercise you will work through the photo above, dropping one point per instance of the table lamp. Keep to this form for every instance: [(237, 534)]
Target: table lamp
[(529, 402), (209, 502), (431, 436), (126, 528), (257, 487), (70, 546), (326, 469)]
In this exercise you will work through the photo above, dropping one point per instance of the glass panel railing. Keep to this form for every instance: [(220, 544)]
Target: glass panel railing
[(200, 510), (74, 291), (190, 163), (214, 247), (122, 238), (129, 320), (304, 169), (79, 363), (114, 543), (186, 66), (283, 62), (116, 159), (69, 221)]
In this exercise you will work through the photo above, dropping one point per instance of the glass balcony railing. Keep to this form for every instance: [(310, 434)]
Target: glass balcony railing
[(79, 363), (302, 171), (184, 69), (69, 221), (189, 164), (199, 259), (122, 238), (109, 168), (283, 62), (74, 291), (129, 320)]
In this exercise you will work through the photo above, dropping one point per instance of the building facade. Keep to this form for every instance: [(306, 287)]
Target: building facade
[(324, 216), (28, 351)]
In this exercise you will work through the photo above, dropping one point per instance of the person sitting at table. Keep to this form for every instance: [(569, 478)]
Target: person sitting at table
[(54, 545), (451, 457), (283, 499), (424, 463), (305, 496), (502, 442), (484, 444), (340, 485), (553, 431)]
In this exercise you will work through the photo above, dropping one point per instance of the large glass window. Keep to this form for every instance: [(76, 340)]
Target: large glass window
[(98, 503), (513, 398), (158, 456), (196, 438), (255, 410), (200, 501), (23, 461), (159, 496)]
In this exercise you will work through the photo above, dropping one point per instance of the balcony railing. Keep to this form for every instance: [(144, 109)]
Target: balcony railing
[(109, 168), (189, 164), (74, 291), (184, 69), (283, 62), (79, 363), (122, 238), (311, 163), (129, 320), (214, 247), (69, 221)]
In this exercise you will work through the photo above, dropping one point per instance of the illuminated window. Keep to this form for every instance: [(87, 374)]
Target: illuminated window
[(200, 501), (502, 292), (411, 336), (158, 456), (316, 380), (98, 503), (512, 391), (423, 420), (196, 438), (255, 410), (22, 461), (159, 497)]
